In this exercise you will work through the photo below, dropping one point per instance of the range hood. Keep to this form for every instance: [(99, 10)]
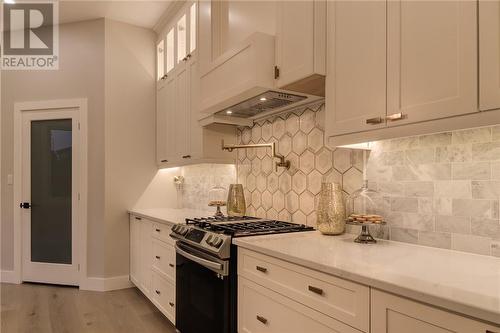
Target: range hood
[(239, 86)]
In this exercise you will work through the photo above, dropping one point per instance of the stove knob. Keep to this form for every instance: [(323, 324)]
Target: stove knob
[(174, 228), (215, 240), (209, 239), (184, 230), (218, 243)]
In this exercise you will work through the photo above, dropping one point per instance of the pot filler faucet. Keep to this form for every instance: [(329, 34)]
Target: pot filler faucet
[(282, 162)]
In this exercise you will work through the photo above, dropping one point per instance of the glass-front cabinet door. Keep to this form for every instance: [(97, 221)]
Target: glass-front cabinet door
[(179, 41)]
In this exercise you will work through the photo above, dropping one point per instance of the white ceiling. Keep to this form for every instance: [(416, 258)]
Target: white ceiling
[(142, 13)]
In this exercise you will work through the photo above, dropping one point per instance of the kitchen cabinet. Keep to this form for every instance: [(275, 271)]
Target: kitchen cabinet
[(431, 60), (181, 140), (330, 298), (153, 263), (301, 46), (398, 63), (489, 55), (140, 253), (393, 314), (165, 109), (356, 61), (279, 296), (178, 42), (263, 310)]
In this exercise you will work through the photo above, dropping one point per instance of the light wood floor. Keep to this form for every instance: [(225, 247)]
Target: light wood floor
[(33, 308)]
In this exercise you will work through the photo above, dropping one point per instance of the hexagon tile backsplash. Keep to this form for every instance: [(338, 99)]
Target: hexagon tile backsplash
[(291, 195), (440, 190)]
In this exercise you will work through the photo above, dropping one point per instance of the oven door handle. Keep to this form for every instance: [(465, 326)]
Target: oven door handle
[(196, 259)]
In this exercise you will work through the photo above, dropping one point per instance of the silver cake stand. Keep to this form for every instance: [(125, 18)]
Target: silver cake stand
[(365, 237)]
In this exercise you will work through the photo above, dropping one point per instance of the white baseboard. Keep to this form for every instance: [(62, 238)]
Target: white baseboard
[(8, 277), (106, 284)]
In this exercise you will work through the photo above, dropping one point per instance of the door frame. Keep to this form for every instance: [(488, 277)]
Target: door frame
[(51, 105)]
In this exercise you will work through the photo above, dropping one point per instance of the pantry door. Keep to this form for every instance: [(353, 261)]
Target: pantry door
[(50, 192)]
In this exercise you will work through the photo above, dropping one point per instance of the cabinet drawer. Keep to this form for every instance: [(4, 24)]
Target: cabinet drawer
[(338, 298), (164, 259), (262, 310), (393, 314), (162, 232), (164, 296)]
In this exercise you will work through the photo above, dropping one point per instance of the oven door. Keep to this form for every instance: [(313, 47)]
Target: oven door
[(203, 292)]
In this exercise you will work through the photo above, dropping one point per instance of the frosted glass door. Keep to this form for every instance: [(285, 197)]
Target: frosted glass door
[(51, 191)]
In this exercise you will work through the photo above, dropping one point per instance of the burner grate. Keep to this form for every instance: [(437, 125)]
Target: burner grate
[(246, 226)]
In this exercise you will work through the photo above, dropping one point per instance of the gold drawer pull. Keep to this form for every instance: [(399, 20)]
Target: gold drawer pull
[(262, 319), (158, 292), (395, 117), (138, 218), (316, 290), (157, 257), (375, 121), (261, 269), (158, 230), (171, 265), (171, 304)]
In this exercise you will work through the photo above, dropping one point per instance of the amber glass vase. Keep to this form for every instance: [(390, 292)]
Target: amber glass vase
[(331, 209)]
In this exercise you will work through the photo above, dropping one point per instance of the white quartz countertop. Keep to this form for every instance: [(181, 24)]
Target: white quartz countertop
[(169, 215), (457, 281)]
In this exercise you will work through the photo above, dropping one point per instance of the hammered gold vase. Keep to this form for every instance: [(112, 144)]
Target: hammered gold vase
[(331, 209)]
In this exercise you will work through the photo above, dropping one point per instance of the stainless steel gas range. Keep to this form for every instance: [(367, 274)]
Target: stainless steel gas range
[(206, 278)]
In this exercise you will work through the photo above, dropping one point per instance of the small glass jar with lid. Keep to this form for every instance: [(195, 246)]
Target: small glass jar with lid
[(217, 198), (365, 208)]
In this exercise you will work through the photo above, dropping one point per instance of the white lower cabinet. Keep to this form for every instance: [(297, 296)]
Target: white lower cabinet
[(164, 296), (263, 310), (393, 314), (152, 263), (276, 296)]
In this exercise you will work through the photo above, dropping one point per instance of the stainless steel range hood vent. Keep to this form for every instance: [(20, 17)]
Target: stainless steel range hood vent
[(264, 102)]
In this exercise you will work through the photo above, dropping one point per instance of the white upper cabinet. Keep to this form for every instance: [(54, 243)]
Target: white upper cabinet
[(165, 107), (392, 63), (356, 61), (489, 54), (178, 43), (301, 46), (431, 60)]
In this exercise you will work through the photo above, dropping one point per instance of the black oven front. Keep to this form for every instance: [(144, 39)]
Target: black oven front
[(205, 292)]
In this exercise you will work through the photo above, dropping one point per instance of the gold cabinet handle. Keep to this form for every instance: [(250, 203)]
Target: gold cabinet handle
[(171, 304), (186, 156), (158, 257), (374, 121), (138, 218), (262, 319), (395, 116), (316, 290), (261, 269), (157, 230), (158, 292), (171, 265)]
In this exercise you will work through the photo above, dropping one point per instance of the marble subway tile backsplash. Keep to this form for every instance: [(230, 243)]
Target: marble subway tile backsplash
[(200, 179), (449, 184), (439, 190)]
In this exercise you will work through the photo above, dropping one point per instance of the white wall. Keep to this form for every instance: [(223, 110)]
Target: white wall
[(80, 74), (112, 64), (130, 139)]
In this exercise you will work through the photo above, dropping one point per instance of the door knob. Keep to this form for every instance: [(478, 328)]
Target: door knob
[(25, 205)]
